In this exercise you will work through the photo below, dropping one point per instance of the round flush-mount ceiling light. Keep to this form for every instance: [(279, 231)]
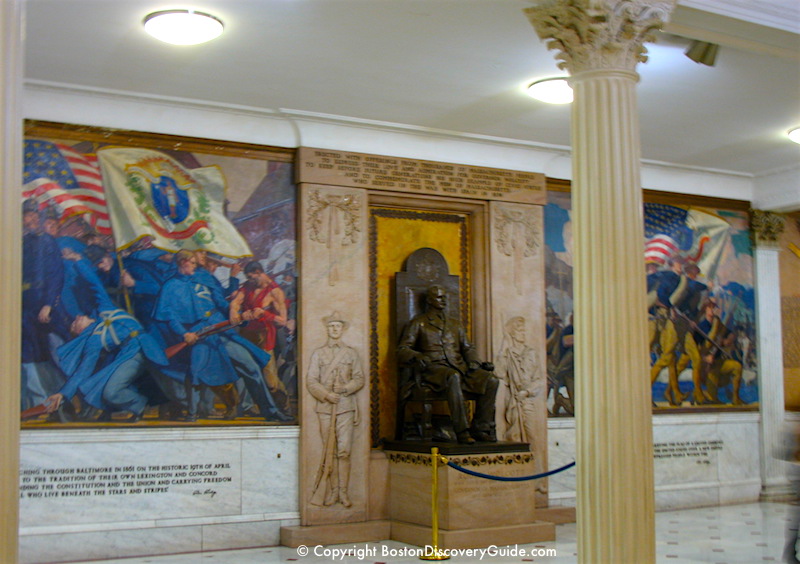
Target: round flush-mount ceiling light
[(794, 134), (183, 27), (551, 90)]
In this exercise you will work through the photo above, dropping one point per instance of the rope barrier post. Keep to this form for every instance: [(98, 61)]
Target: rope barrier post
[(436, 553)]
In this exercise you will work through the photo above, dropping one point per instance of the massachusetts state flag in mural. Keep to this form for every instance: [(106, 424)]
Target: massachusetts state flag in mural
[(151, 194), (65, 181)]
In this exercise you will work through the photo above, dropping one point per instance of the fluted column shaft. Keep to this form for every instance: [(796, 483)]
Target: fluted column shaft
[(600, 42), (770, 370), (615, 500), (11, 242)]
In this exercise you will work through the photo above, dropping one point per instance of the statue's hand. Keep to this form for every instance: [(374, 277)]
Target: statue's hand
[(473, 365), (332, 398), (487, 366), (421, 363)]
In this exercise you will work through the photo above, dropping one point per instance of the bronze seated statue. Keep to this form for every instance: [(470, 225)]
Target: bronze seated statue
[(437, 361)]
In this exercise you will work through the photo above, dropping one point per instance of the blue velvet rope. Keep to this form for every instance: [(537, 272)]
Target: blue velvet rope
[(509, 478)]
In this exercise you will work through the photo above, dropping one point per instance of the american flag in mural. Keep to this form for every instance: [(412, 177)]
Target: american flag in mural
[(665, 232), (66, 181), (688, 233)]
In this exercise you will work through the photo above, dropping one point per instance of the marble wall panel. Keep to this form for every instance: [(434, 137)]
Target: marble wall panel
[(269, 476), (83, 546), (128, 481), (736, 463), (241, 535), (697, 495), (560, 452), (251, 491), (701, 459)]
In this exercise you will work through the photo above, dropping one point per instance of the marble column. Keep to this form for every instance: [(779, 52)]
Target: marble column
[(10, 228), (600, 43), (767, 228)]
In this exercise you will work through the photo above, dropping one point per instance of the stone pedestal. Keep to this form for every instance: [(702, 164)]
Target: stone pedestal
[(474, 512), (313, 535)]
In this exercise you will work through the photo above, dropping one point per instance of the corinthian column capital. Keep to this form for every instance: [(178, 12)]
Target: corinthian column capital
[(766, 227), (598, 34)]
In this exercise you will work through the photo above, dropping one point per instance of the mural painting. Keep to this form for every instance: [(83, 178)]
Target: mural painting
[(701, 316), (159, 281)]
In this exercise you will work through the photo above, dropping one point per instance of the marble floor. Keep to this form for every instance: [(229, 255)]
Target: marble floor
[(741, 534)]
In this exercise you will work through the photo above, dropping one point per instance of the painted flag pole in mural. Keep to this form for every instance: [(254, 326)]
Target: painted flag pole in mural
[(150, 194)]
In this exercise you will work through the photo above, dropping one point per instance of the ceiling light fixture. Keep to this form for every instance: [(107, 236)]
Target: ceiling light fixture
[(551, 90), (183, 27), (794, 134), (703, 52)]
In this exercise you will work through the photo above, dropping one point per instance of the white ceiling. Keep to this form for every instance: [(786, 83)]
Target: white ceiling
[(455, 65)]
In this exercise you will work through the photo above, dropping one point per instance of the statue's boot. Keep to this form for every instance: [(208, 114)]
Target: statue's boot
[(332, 497), (344, 480)]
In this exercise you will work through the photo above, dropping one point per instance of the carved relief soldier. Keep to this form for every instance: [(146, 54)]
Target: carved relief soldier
[(334, 377), (518, 368)]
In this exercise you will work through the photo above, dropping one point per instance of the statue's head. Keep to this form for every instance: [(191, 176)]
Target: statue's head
[(436, 298), (335, 323), (515, 327)]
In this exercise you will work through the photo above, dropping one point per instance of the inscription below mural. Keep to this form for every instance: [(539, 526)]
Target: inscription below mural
[(95, 481), (701, 450), (359, 170)]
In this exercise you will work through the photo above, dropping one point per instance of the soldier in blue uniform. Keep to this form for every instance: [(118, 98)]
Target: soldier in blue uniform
[(108, 355), (149, 269), (104, 361), (185, 307), (42, 280)]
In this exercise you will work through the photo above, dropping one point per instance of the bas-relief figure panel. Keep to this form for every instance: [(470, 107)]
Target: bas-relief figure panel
[(335, 417), (517, 262), (702, 306), (789, 260), (119, 327)]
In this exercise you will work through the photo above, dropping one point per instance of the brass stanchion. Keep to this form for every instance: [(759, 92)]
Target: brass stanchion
[(436, 553)]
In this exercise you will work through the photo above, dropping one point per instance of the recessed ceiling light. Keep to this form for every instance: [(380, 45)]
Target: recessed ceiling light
[(183, 27), (551, 90), (794, 134)]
